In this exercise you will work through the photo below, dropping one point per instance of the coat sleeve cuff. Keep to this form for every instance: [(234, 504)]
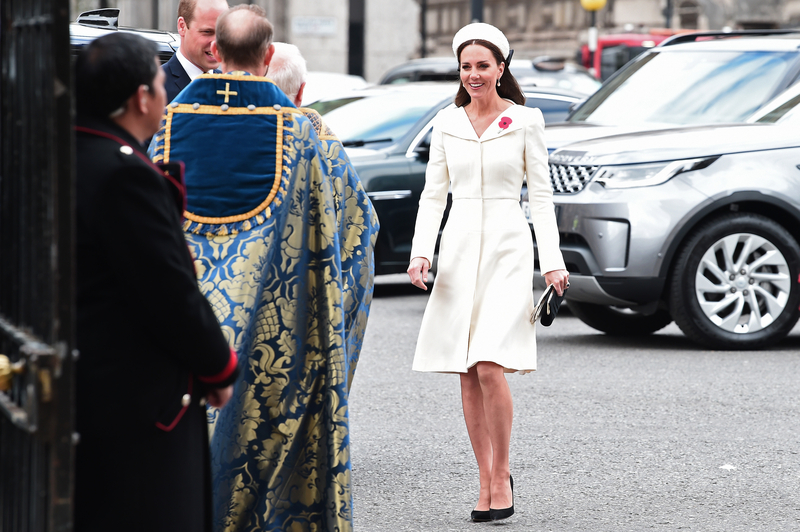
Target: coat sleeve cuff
[(227, 375)]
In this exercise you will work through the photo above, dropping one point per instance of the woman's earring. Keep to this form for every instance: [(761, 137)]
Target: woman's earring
[(498, 82)]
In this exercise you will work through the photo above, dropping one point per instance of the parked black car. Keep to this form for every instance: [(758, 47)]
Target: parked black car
[(541, 72), (93, 24)]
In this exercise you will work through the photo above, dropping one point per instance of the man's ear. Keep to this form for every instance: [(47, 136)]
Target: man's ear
[(299, 98), (215, 52), (268, 57), (182, 27), (139, 102)]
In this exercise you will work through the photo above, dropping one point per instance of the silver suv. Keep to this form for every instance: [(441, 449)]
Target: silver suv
[(699, 225)]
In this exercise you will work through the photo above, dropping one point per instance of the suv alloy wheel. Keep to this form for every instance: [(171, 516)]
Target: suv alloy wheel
[(734, 285)]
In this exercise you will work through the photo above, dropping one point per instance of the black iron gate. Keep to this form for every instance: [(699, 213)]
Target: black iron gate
[(36, 267)]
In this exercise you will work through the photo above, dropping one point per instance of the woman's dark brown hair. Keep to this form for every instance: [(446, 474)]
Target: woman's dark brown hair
[(508, 89)]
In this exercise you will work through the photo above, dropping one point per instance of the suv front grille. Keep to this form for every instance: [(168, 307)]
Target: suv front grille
[(570, 179)]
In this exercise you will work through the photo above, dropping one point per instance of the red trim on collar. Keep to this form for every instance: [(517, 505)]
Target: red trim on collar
[(233, 361)]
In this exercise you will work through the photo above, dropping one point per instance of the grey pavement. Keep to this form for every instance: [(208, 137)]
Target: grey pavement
[(609, 434)]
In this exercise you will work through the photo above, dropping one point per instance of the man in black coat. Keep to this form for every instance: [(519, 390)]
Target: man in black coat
[(151, 349), (197, 20)]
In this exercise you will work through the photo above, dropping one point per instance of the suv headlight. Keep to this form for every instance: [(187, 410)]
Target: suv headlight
[(648, 175)]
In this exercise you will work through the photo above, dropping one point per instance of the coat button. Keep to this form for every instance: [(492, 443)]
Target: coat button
[(186, 399)]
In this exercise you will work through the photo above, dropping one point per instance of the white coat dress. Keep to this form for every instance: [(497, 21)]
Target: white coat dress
[(482, 298)]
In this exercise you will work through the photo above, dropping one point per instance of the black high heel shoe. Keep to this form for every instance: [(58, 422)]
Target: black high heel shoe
[(504, 513), (480, 516)]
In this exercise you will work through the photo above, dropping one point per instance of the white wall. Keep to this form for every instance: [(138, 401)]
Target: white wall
[(323, 51), (644, 12), (168, 15), (135, 13), (792, 12), (391, 35)]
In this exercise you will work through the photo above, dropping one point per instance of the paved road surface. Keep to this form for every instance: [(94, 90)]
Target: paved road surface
[(609, 435)]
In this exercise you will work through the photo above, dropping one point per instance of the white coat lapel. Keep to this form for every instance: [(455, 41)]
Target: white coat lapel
[(507, 122), (455, 122)]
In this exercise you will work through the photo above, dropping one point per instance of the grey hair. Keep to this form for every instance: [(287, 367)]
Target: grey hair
[(287, 69)]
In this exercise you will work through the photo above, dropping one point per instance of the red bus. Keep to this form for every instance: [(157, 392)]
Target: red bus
[(614, 51)]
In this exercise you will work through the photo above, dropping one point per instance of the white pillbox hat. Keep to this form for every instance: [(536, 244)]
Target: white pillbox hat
[(482, 31)]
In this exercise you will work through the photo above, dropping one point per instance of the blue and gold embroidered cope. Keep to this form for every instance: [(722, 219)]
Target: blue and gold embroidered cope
[(282, 232), (217, 117)]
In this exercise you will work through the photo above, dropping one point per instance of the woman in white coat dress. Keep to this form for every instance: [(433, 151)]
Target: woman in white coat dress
[(477, 322)]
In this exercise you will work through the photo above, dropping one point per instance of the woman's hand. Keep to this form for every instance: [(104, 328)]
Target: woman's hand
[(559, 279), (418, 272)]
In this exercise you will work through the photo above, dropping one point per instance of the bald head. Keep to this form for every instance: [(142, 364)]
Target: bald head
[(244, 37)]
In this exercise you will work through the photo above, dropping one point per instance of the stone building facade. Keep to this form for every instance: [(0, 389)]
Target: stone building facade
[(320, 28), (559, 27), (390, 29)]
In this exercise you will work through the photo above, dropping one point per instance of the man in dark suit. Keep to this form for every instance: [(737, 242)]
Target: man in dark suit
[(196, 22), (151, 349)]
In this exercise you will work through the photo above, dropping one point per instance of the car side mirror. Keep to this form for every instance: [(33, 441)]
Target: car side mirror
[(574, 106), (423, 152), (423, 149)]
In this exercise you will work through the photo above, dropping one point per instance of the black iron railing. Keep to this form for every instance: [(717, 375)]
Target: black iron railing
[(36, 267)]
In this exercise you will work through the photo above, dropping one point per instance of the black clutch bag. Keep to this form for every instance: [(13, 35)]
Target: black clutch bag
[(547, 308)]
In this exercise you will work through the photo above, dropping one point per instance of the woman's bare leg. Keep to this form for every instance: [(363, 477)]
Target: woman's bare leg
[(498, 409), (472, 402)]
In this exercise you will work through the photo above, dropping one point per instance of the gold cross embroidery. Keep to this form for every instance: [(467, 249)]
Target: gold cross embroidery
[(227, 92)]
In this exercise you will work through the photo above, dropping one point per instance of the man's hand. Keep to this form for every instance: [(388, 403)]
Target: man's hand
[(219, 397), (418, 272)]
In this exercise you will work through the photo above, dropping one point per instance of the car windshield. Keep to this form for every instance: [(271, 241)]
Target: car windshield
[(688, 87), (376, 118)]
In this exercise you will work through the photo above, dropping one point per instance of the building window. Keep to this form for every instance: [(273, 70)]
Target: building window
[(688, 14)]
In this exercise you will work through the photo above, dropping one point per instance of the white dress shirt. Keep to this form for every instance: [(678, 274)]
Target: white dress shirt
[(190, 68)]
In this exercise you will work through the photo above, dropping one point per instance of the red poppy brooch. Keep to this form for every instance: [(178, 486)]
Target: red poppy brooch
[(504, 122)]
